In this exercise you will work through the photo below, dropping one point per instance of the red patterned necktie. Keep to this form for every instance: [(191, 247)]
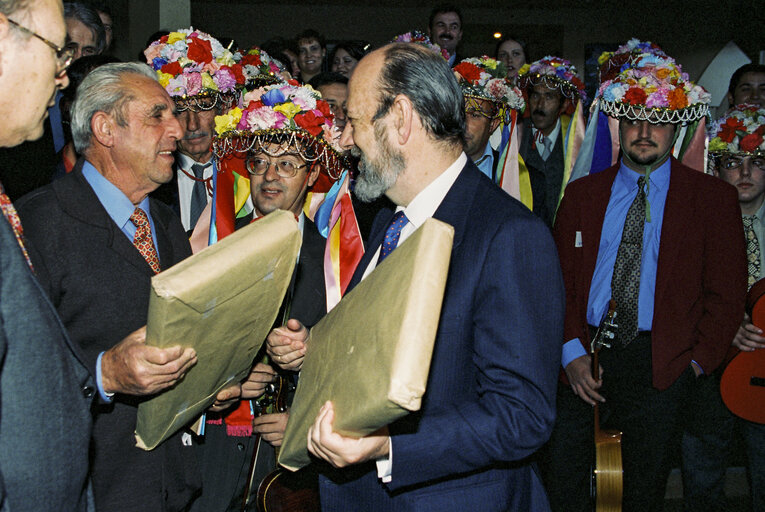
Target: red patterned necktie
[(142, 239), (9, 211)]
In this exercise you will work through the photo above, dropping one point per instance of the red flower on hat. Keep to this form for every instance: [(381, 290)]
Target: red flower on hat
[(200, 50), (677, 98), (236, 70), (751, 142), (172, 68), (310, 122), (469, 72), (728, 129), (251, 60), (323, 107), (635, 96)]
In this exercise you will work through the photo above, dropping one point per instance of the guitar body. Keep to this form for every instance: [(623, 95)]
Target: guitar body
[(607, 475), (284, 491), (742, 385)]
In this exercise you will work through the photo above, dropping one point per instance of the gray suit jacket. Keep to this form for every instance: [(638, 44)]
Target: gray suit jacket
[(46, 392)]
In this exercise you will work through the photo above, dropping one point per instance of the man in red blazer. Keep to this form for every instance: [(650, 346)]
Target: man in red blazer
[(666, 242)]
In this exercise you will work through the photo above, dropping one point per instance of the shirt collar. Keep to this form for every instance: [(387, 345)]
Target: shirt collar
[(659, 177), (487, 153), (553, 134), (425, 204), (186, 161), (761, 212), (114, 201)]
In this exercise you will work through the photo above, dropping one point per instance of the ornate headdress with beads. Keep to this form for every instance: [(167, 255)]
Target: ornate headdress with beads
[(484, 79), (260, 69), (287, 114), (627, 55), (195, 69), (740, 132), (555, 73), (656, 90), (417, 37)]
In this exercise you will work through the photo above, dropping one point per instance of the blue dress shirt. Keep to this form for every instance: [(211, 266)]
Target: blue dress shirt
[(486, 162), (623, 192)]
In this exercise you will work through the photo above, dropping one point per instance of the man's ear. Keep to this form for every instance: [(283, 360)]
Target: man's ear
[(729, 97), (564, 106), (402, 114), (103, 127), (494, 124), (313, 175), (5, 34)]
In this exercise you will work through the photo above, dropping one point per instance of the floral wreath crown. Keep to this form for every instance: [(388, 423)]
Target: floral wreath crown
[(417, 37), (286, 114), (554, 73), (191, 64), (655, 90), (484, 79), (627, 55), (260, 69), (739, 132)]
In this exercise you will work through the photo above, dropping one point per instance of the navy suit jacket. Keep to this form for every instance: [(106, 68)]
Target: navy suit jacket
[(490, 398)]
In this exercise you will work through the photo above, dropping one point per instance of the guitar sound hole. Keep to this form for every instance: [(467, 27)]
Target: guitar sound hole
[(757, 381)]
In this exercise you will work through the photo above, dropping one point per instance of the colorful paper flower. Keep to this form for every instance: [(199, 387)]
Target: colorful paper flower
[(484, 78), (740, 131)]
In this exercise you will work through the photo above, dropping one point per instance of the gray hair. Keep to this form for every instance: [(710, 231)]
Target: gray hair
[(89, 17), (103, 90), (9, 7), (426, 79)]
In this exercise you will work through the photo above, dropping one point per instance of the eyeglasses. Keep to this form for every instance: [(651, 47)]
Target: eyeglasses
[(732, 163), (284, 168), (64, 55)]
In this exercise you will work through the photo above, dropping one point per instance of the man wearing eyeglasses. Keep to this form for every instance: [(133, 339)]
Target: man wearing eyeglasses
[(45, 388)]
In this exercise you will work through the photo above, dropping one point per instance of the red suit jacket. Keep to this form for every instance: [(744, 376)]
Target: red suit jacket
[(701, 274)]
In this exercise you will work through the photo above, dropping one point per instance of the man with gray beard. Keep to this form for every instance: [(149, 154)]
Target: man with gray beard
[(490, 398)]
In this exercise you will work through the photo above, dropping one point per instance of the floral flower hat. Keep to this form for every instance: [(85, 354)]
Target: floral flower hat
[(287, 114), (260, 69), (484, 79), (417, 37), (195, 69), (555, 73), (613, 63), (654, 89), (739, 132)]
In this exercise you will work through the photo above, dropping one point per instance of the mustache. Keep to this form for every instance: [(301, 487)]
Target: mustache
[(539, 113), (196, 135), (644, 141)]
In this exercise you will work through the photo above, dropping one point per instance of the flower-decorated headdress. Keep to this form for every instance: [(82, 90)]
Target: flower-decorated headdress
[(260, 69), (286, 114), (739, 132), (555, 73), (417, 37), (656, 90), (627, 55), (484, 79), (195, 69)]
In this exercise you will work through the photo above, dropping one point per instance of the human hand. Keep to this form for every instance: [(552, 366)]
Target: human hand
[(134, 368), (340, 450), (271, 427), (260, 376), (226, 397), (287, 345), (579, 373), (748, 337)]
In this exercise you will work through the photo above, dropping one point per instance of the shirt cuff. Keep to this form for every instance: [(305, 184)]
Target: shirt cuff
[(571, 350), (106, 397), (385, 465)]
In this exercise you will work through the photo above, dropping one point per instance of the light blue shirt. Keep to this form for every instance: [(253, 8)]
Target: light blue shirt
[(119, 208), (623, 192), (486, 162)]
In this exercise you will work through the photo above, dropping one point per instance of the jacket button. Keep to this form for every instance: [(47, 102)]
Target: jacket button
[(240, 447), (88, 391)]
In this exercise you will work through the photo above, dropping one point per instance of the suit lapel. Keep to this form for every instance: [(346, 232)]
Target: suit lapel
[(593, 215)]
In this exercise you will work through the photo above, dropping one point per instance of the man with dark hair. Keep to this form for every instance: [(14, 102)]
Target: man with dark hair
[(445, 29), (334, 90), (96, 240), (85, 32), (46, 390), (489, 403), (747, 85), (311, 53)]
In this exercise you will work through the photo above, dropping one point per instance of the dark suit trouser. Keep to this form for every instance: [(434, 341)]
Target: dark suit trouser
[(647, 417)]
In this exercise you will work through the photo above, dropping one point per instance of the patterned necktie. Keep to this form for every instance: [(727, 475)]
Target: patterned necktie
[(625, 283), (752, 249), (142, 239), (392, 235), (198, 193), (9, 211)]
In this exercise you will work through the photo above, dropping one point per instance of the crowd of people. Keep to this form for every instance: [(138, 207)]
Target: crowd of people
[(636, 205)]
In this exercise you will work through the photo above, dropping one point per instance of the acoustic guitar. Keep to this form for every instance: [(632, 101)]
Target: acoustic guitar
[(607, 475), (742, 385)]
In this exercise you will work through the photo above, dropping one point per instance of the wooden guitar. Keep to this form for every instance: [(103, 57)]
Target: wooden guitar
[(742, 385), (607, 475)]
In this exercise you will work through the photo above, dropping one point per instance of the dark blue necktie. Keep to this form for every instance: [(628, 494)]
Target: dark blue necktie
[(392, 235)]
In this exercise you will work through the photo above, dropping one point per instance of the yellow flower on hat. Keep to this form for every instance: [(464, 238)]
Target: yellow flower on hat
[(208, 82), (228, 122), (288, 109), (174, 37), (164, 78)]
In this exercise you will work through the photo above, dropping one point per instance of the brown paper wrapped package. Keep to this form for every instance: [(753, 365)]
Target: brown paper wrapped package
[(222, 302), (371, 354)]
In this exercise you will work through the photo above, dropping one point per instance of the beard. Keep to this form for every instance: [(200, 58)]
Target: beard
[(379, 174), (639, 159)]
